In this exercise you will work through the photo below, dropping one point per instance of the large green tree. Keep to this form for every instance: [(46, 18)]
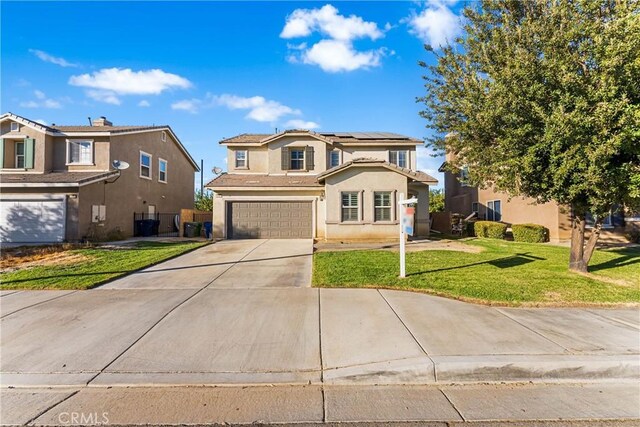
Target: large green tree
[(542, 99)]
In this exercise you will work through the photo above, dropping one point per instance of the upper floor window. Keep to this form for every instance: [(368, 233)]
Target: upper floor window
[(382, 205), (350, 206), (162, 170), (15, 127), (334, 158), (399, 158), (241, 159), (145, 165), (494, 210), (297, 159), (79, 152), (163, 136)]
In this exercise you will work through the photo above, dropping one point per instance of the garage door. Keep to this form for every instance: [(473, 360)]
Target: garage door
[(32, 221), (269, 220)]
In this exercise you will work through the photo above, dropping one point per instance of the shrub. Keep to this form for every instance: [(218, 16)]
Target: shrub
[(490, 229), (530, 233)]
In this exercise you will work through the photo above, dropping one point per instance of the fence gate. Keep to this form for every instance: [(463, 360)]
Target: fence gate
[(156, 224)]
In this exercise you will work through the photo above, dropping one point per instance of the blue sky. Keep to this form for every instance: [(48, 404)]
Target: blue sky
[(216, 69)]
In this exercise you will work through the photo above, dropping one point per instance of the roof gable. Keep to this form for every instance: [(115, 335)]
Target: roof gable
[(368, 162)]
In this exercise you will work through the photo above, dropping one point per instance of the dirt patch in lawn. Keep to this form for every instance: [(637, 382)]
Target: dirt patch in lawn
[(412, 246), (21, 258)]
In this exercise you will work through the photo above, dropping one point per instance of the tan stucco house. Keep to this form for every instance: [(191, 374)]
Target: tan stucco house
[(330, 186), (491, 205), (58, 183)]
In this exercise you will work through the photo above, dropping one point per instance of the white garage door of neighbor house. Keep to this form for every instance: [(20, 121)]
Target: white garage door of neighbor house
[(32, 221)]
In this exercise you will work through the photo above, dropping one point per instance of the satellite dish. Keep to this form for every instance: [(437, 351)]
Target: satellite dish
[(216, 170), (120, 165)]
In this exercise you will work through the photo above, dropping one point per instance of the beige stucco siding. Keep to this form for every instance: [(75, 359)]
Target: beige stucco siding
[(101, 157), (258, 159), (319, 150), (11, 137), (382, 153), (365, 181)]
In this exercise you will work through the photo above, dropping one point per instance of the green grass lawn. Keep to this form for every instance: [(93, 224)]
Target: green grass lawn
[(504, 273), (94, 266)]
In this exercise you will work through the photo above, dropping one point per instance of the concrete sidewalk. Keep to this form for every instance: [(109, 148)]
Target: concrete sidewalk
[(478, 405), (214, 336)]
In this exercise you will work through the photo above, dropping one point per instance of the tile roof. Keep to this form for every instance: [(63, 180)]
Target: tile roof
[(254, 180), (112, 129), (415, 175), (53, 177), (340, 137)]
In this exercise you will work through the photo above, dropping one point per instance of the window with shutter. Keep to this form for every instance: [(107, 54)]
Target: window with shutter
[(350, 206)]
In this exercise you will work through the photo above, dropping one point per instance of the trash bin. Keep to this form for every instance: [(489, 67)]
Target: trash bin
[(146, 227), (208, 225), (192, 229)]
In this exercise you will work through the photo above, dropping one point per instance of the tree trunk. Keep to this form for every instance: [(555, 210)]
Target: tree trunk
[(576, 257), (580, 254)]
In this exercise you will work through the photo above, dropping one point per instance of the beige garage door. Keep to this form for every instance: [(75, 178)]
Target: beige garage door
[(269, 220)]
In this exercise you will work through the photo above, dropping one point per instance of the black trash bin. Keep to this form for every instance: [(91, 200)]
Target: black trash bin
[(146, 227)]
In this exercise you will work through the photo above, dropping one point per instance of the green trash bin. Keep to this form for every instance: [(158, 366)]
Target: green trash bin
[(192, 229)]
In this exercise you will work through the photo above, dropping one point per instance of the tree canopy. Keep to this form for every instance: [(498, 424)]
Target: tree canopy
[(542, 99)]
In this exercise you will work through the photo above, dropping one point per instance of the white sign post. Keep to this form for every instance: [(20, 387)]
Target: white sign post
[(406, 228)]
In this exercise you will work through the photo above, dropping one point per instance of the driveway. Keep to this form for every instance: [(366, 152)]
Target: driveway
[(240, 264)]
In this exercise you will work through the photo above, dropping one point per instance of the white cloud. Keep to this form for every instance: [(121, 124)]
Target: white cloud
[(301, 124), (144, 103), (327, 21), (41, 101), (106, 96), (260, 109), (190, 105), (334, 56), (42, 122), (124, 81), (44, 56), (436, 25), (336, 52)]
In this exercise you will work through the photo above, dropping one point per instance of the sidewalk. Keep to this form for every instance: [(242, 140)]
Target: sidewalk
[(476, 405)]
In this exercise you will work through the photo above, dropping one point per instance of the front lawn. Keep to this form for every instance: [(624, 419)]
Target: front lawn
[(504, 273), (85, 268)]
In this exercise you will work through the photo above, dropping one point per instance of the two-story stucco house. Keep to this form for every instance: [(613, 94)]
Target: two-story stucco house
[(58, 183), (331, 186)]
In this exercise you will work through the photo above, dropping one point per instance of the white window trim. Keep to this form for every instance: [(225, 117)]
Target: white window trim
[(335, 150), (304, 158), (163, 136), (407, 158), (246, 159), (358, 207), (68, 163), (150, 177), (166, 170), (390, 207), (493, 209), (15, 149), (15, 127)]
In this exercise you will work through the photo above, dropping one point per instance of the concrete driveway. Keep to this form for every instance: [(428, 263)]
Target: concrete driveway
[(241, 264)]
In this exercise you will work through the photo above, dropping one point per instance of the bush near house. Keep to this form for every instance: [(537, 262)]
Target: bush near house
[(490, 229), (529, 233)]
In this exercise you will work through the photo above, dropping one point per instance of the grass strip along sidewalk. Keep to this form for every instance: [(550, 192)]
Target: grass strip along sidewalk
[(503, 273), (84, 268)]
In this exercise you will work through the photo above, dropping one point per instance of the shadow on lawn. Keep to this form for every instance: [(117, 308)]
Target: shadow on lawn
[(505, 262), (627, 256)]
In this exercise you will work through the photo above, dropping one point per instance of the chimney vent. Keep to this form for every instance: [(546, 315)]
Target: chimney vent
[(102, 121)]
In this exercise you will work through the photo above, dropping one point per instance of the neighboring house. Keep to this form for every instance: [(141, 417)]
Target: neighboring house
[(58, 184), (332, 186), (491, 205)]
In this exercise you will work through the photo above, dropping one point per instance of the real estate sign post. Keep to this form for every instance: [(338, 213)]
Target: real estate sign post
[(406, 227)]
